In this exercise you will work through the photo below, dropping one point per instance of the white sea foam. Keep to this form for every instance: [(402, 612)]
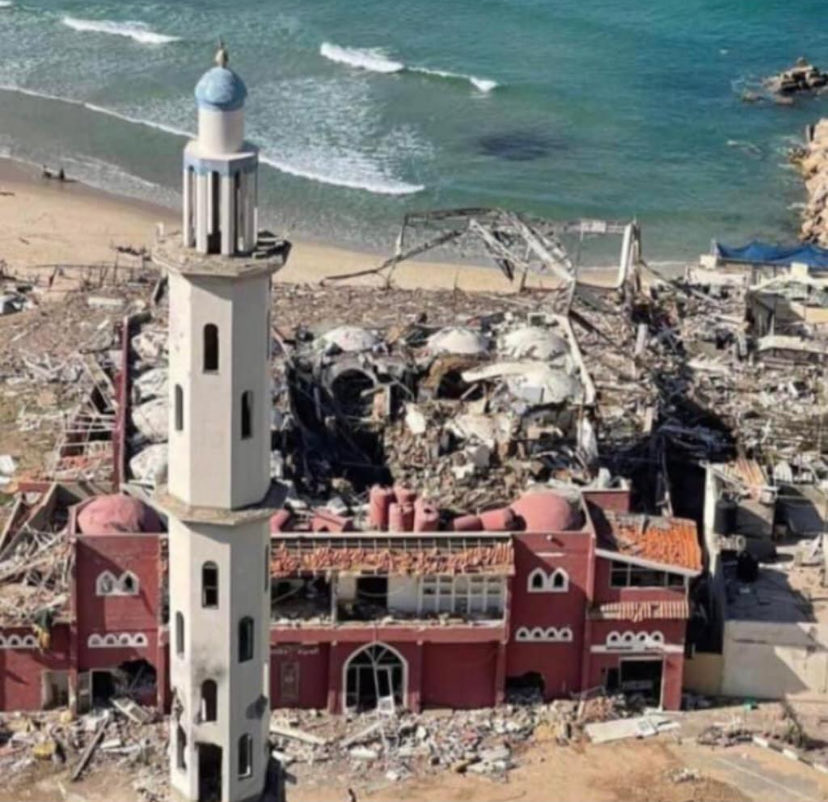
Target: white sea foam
[(138, 31), (482, 84), (375, 60), (372, 60), (376, 184), (6, 3)]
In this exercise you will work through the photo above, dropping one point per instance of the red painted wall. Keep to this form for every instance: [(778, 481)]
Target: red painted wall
[(139, 553), (21, 669), (558, 663), (112, 657), (459, 675), (312, 662)]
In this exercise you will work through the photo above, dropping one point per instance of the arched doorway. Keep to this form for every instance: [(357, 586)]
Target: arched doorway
[(375, 676)]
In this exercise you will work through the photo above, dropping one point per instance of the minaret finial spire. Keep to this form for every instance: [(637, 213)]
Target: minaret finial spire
[(222, 56)]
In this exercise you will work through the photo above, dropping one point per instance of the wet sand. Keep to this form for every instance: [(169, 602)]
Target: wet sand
[(46, 222)]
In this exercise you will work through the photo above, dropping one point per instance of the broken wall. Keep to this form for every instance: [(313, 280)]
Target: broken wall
[(21, 670)]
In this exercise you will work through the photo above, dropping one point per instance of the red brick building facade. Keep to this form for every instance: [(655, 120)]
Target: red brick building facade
[(565, 597)]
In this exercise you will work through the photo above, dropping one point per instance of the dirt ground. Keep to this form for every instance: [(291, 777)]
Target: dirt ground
[(633, 770), (627, 771)]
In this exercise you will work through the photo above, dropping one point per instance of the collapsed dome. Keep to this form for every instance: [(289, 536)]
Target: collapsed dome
[(545, 385), (220, 89), (457, 340), (533, 342), (350, 339), (117, 514), (545, 511)]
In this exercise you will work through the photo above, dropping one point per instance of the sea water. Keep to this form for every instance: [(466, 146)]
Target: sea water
[(367, 109)]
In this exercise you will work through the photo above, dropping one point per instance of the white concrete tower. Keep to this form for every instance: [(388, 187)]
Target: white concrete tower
[(219, 458), (220, 168)]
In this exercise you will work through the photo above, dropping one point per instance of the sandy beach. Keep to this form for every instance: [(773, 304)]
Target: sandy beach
[(46, 222)]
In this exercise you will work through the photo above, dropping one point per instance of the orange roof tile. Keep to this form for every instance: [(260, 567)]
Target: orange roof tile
[(640, 611), (314, 554), (668, 541)]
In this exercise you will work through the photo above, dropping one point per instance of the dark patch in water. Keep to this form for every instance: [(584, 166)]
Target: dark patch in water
[(519, 146)]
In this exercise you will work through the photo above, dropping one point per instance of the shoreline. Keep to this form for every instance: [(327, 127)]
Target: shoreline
[(46, 222)]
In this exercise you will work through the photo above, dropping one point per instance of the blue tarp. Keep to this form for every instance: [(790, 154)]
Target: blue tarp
[(764, 253)]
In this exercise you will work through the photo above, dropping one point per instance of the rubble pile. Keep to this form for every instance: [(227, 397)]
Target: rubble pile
[(315, 746), (812, 162), (125, 736), (471, 400), (57, 376), (466, 412)]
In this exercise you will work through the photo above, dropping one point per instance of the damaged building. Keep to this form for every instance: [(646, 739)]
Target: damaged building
[(586, 486)]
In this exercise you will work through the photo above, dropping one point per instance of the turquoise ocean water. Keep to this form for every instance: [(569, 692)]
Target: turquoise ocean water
[(365, 109)]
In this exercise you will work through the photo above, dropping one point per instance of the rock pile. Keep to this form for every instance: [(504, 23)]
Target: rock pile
[(802, 77), (812, 162)]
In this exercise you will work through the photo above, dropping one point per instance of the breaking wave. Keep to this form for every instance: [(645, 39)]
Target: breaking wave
[(378, 185), (372, 60), (376, 61), (138, 31), (6, 3)]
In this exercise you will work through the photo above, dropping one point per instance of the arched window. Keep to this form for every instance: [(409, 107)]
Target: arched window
[(537, 581), (246, 415), (209, 585), (179, 634), (245, 756), (245, 639), (129, 584), (560, 581), (181, 747), (211, 348), (179, 408), (209, 694), (522, 634), (105, 584)]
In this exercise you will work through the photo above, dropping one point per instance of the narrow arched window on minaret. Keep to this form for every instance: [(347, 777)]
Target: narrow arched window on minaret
[(246, 415), (219, 283), (211, 348)]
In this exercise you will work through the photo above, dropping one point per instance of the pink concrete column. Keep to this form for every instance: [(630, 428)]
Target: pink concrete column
[(407, 511), (500, 674), (415, 680), (333, 679), (426, 516), (586, 654), (404, 495), (672, 671), (396, 522), (379, 500), (501, 520), (325, 521), (467, 523)]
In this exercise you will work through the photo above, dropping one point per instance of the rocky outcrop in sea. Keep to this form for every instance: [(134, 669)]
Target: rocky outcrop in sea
[(812, 162)]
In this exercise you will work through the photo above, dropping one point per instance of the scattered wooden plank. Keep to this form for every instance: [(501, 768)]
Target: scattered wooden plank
[(90, 749)]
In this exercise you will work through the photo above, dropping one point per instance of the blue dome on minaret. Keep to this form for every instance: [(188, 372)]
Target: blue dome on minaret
[(220, 89)]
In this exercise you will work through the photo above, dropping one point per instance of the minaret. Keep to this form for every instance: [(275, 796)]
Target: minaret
[(219, 458)]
